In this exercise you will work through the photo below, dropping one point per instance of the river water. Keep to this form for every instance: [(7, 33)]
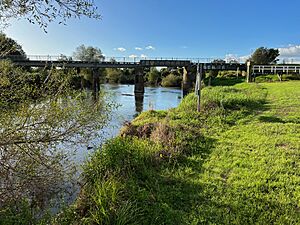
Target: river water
[(129, 106)]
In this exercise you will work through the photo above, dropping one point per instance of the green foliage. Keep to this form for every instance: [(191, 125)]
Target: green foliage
[(264, 56), (127, 76), (9, 47), (275, 78), (41, 114), (225, 81), (113, 75), (212, 73), (90, 54), (164, 72), (171, 80), (45, 12), (228, 73), (234, 163), (153, 76), (12, 215), (105, 197)]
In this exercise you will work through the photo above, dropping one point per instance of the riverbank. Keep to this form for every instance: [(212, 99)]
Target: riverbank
[(237, 162)]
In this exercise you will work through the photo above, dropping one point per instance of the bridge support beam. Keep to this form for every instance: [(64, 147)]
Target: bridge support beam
[(139, 86), (187, 83), (96, 82)]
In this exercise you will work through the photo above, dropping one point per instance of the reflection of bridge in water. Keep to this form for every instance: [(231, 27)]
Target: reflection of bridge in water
[(188, 65)]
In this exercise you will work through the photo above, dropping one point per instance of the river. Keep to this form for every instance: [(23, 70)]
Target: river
[(129, 106)]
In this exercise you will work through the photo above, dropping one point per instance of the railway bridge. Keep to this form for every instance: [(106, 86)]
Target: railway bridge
[(138, 64)]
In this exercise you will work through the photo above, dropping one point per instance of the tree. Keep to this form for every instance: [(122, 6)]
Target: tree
[(153, 76), (63, 57), (220, 61), (171, 80), (128, 76), (9, 47), (43, 120), (91, 54), (113, 75), (265, 56), (42, 12)]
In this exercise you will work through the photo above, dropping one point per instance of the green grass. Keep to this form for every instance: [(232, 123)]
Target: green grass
[(275, 78), (236, 162)]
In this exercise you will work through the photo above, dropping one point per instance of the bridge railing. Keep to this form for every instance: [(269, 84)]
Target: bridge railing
[(286, 68), (130, 59)]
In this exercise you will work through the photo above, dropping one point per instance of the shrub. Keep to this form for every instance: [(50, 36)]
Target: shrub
[(171, 81), (227, 73)]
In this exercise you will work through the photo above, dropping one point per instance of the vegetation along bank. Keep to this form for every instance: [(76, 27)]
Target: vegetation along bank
[(236, 162)]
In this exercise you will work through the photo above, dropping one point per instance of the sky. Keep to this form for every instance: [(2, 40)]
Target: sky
[(171, 28)]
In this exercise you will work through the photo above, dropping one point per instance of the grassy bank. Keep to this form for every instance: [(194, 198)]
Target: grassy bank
[(237, 162)]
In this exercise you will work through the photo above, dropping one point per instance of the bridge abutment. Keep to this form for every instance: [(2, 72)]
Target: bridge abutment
[(139, 86), (187, 83)]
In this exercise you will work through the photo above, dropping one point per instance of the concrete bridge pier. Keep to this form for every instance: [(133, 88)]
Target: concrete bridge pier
[(96, 82), (187, 83), (139, 86)]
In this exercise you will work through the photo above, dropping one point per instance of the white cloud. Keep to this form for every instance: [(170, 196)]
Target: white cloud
[(290, 51), (231, 57), (244, 58), (138, 48), (234, 57), (133, 56), (121, 49), (143, 56), (150, 47)]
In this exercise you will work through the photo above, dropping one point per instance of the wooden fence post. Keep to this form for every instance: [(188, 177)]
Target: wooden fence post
[(198, 85), (248, 72)]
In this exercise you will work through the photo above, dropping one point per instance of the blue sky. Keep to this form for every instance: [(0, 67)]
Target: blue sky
[(172, 28)]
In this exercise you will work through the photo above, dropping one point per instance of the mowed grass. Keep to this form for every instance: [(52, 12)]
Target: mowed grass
[(253, 174), (236, 162)]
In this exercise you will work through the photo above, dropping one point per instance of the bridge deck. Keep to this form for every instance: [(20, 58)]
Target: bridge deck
[(76, 64), (114, 64)]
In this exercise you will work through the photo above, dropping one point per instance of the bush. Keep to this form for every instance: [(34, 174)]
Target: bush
[(113, 75), (227, 73), (171, 81), (153, 76)]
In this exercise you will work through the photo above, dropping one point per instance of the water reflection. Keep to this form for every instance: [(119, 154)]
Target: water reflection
[(139, 102), (129, 106)]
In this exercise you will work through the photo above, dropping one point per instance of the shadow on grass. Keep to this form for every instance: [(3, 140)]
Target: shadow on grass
[(225, 81), (271, 119), (172, 194), (224, 204), (193, 194), (274, 119), (184, 197)]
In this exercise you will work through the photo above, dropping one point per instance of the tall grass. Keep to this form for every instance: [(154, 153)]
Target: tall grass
[(221, 166)]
